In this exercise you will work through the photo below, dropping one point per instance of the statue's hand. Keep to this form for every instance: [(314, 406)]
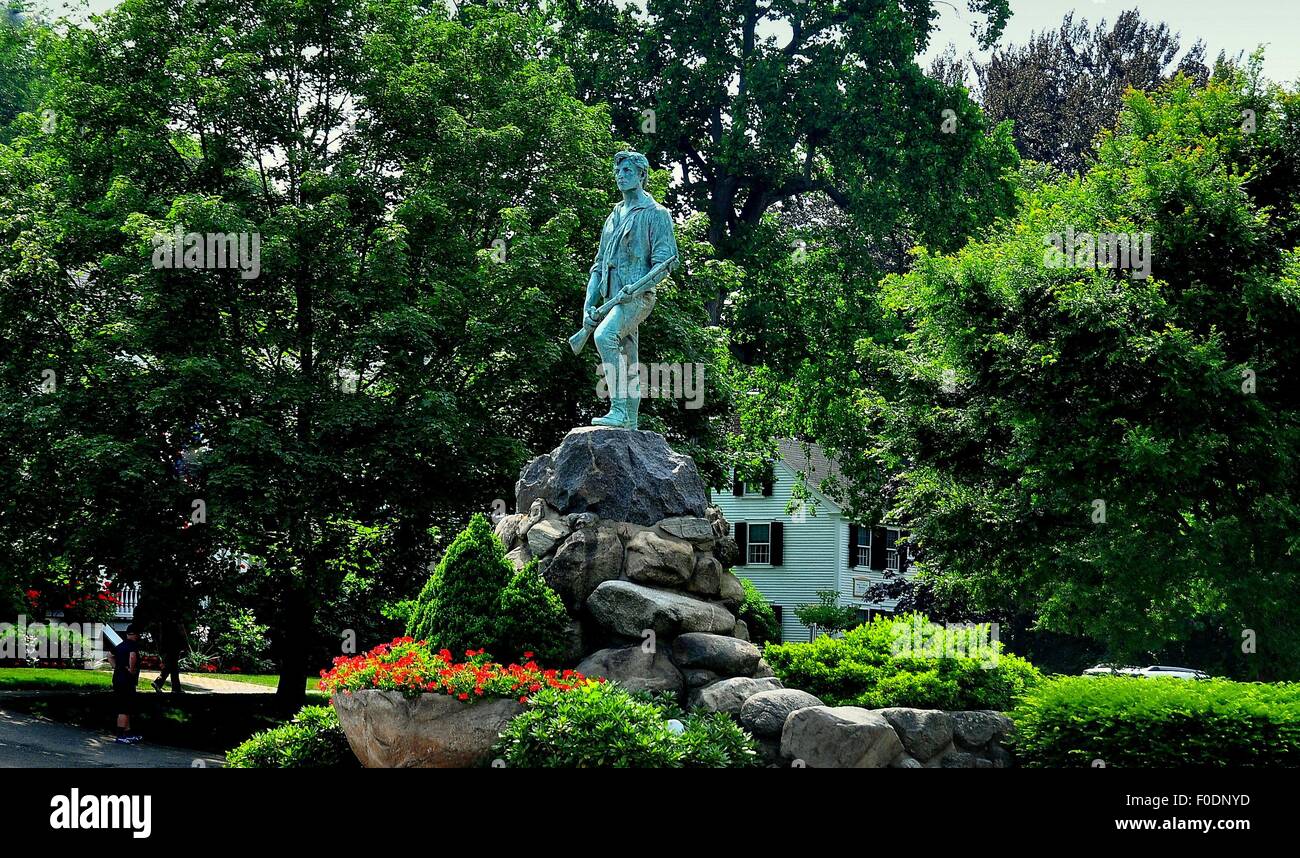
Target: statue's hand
[(591, 316)]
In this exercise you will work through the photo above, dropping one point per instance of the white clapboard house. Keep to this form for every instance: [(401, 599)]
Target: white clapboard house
[(792, 551)]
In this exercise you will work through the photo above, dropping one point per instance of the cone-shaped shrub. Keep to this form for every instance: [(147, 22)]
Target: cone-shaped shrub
[(476, 600)]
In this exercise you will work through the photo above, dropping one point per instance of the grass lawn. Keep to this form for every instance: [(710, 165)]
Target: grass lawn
[(43, 678)]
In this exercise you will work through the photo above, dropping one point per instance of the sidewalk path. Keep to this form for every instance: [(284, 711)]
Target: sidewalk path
[(200, 684), (28, 742)]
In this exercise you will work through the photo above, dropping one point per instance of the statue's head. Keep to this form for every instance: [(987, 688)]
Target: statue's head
[(630, 170)]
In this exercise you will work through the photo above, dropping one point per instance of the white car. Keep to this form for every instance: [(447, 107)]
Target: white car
[(1153, 670)]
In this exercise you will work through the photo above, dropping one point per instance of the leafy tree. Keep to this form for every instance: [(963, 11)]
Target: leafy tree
[(1113, 455), (753, 122), (1064, 86), (426, 192), (828, 614)]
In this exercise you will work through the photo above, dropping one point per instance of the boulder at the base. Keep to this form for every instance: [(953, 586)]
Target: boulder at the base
[(725, 656), (655, 558), (707, 578), (618, 474), (925, 732), (507, 529), (696, 530), (630, 609), (729, 695), (765, 713), (543, 536), (975, 728), (840, 737), (634, 669), (696, 678), (433, 731), (587, 559)]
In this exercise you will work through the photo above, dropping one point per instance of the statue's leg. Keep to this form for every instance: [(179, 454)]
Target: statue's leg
[(638, 310), (613, 364)]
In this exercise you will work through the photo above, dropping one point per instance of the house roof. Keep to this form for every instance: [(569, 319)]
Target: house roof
[(812, 462)]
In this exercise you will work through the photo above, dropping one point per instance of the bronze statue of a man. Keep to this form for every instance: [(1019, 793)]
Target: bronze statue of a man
[(637, 251)]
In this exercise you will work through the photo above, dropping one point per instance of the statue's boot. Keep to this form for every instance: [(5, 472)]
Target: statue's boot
[(631, 407), (617, 415)]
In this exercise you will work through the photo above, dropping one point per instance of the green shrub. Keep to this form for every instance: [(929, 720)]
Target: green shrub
[(532, 617), (602, 725), (758, 616), (900, 661), (1158, 723), (312, 740), (476, 600)]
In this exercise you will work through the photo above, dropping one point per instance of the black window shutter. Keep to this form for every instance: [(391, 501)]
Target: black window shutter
[(742, 539), (737, 486), (767, 481), (778, 542), (853, 545), (902, 551), (877, 548)]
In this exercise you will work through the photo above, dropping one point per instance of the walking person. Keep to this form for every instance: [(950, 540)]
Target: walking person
[(171, 640), (125, 659)]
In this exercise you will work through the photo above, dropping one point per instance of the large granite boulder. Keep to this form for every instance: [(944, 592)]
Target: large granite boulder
[(729, 695), (618, 474), (840, 737), (975, 728), (725, 656), (764, 713), (630, 609), (433, 731), (925, 732), (587, 559), (653, 558), (634, 669)]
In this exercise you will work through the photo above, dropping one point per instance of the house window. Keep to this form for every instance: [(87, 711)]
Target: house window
[(891, 549), (863, 548), (760, 543)]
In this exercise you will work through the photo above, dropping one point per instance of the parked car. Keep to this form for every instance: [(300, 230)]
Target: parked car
[(1153, 670)]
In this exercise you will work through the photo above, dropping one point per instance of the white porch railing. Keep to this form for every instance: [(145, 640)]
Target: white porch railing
[(127, 599)]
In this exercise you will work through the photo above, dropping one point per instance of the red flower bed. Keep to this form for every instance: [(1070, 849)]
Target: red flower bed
[(412, 668)]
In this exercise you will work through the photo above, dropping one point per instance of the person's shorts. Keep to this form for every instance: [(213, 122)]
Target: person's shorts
[(124, 697)]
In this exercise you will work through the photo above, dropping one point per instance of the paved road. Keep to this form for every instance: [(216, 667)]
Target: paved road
[(28, 742)]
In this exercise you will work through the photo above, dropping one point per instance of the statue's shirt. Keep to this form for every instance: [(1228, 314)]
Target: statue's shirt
[(634, 240)]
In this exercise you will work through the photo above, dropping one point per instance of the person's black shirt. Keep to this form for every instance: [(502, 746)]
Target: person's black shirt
[(122, 661)]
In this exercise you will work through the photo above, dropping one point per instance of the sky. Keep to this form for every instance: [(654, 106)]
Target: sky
[(1231, 25)]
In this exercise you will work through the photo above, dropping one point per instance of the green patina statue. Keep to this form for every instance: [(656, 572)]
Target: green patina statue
[(637, 251)]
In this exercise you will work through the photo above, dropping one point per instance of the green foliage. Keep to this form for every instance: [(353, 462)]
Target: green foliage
[(531, 617), (1064, 86), (602, 725), (758, 615), (312, 740), (239, 640), (458, 607), (476, 600), (828, 614), (1015, 395), (1131, 722), (886, 663)]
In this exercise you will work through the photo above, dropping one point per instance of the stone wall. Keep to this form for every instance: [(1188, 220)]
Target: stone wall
[(826, 737)]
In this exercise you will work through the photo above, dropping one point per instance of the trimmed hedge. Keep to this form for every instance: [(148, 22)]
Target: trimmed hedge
[(758, 615), (899, 661), (312, 740), (1158, 723)]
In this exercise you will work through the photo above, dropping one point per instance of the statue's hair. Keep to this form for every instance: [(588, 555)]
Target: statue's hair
[(638, 160)]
